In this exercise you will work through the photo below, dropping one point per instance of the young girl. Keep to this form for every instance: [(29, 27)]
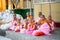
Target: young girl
[(44, 28), (26, 23), (29, 16), (31, 27), (40, 13), (25, 26), (14, 23), (51, 22), (19, 26)]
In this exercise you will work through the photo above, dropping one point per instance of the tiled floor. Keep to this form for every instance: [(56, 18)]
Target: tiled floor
[(18, 36)]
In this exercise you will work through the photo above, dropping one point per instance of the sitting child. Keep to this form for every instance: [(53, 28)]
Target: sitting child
[(43, 29), (19, 26), (51, 22), (38, 18), (30, 27), (29, 16), (14, 23), (25, 25)]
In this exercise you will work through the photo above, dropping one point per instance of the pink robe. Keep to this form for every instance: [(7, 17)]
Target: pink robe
[(30, 29), (37, 19), (18, 28), (44, 28), (23, 30), (14, 24), (52, 25)]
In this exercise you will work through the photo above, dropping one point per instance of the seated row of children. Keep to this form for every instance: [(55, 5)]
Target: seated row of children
[(38, 27)]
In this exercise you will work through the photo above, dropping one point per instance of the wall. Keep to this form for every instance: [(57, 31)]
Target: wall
[(55, 10), (36, 10)]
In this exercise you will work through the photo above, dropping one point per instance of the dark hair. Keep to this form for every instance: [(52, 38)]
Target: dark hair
[(43, 16), (40, 13)]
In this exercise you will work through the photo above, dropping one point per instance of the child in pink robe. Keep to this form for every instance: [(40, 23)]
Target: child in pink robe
[(38, 18), (25, 25), (51, 22), (14, 23), (44, 28), (19, 26), (31, 27)]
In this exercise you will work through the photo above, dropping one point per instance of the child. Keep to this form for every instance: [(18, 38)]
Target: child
[(25, 25), (43, 29), (14, 22), (19, 26), (29, 16), (51, 22), (31, 27), (38, 18)]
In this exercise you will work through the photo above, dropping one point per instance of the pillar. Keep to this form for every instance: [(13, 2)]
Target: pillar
[(0, 5), (3, 4)]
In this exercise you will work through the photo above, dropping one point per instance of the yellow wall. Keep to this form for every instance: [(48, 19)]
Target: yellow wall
[(36, 10), (55, 10), (45, 9)]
